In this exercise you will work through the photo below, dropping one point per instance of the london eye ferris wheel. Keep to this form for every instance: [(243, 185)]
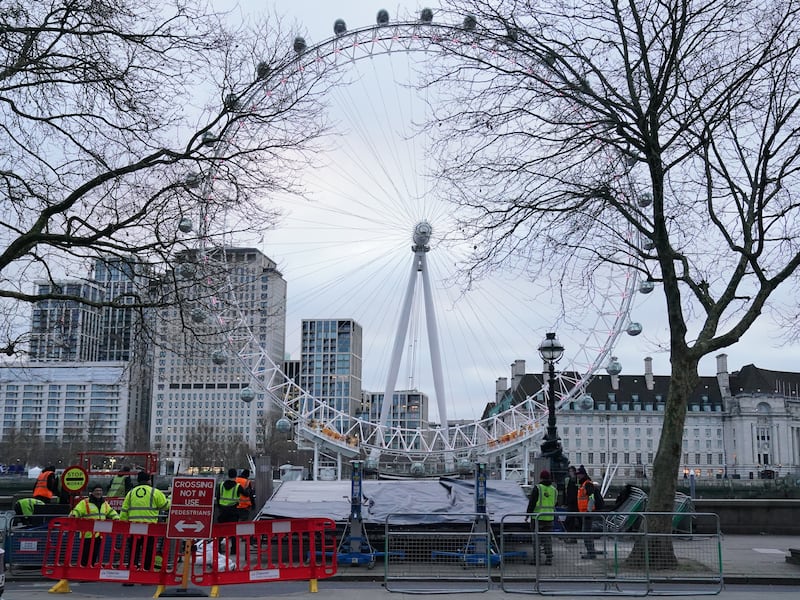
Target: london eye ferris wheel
[(348, 251)]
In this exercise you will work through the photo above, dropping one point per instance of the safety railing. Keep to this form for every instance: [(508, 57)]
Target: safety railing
[(612, 553), (140, 553)]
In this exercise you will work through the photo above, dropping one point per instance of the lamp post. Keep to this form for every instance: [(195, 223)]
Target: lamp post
[(551, 352)]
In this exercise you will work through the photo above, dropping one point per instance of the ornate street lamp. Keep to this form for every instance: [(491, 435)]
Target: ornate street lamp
[(551, 352)]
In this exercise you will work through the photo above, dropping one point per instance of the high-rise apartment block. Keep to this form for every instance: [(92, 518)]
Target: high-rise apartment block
[(84, 382), (197, 377), (330, 367), (67, 330)]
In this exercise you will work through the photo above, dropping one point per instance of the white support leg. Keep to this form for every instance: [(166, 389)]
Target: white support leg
[(397, 355)]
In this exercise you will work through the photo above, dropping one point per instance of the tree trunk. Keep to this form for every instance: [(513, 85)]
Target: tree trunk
[(658, 552)]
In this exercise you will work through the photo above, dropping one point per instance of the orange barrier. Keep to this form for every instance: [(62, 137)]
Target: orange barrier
[(253, 551)]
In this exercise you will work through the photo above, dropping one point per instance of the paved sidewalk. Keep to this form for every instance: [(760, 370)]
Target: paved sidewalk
[(747, 560)]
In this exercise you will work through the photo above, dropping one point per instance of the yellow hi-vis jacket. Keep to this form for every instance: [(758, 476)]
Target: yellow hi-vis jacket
[(86, 509), (546, 502), (229, 496), (142, 504)]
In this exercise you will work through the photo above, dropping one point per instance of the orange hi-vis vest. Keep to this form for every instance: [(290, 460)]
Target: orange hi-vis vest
[(40, 489), (244, 500), (583, 497)]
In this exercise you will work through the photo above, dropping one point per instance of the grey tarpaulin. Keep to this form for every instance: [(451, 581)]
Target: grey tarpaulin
[(430, 501)]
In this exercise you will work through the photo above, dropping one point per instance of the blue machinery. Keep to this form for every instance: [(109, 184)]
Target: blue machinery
[(355, 549)]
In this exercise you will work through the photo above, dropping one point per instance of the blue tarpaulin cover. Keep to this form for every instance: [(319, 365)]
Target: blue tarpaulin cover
[(422, 501)]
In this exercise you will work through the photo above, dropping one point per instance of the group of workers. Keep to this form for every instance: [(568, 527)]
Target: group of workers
[(142, 503), (580, 495)]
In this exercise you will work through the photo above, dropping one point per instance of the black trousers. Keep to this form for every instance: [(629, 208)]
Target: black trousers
[(229, 514)]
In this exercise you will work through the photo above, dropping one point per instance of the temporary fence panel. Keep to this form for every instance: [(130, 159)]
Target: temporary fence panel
[(681, 563), (25, 544), (683, 519), (92, 550), (569, 562), (457, 556), (602, 559)]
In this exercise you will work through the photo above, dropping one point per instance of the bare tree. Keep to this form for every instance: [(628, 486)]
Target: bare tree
[(202, 445), (116, 117), (660, 135), (279, 446)]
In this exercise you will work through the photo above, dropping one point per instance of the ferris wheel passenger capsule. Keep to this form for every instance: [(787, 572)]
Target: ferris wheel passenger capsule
[(634, 328), (426, 15), (209, 139), (198, 315), (586, 402), (339, 27), (283, 425), (470, 22), (185, 225), (192, 180), (186, 270), (220, 357), (262, 71), (464, 466), (614, 367), (645, 200), (646, 286), (383, 17), (247, 395), (299, 45)]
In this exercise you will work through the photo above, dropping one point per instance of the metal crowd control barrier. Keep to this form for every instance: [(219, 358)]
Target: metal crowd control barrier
[(606, 559), (24, 544), (123, 552), (453, 556)]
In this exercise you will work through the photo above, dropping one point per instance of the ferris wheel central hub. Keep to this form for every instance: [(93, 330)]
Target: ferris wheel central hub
[(422, 236)]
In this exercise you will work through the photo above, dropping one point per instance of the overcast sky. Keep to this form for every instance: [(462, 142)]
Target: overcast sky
[(348, 255)]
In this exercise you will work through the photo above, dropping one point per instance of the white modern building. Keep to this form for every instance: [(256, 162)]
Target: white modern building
[(85, 402), (197, 376)]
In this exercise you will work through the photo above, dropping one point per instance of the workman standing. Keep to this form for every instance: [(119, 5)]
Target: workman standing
[(248, 497), (121, 483), (541, 510), (228, 495), (94, 507), (586, 493), (46, 485), (143, 505)]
